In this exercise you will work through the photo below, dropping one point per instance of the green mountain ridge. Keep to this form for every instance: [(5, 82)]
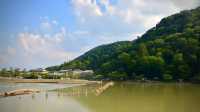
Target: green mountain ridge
[(168, 51)]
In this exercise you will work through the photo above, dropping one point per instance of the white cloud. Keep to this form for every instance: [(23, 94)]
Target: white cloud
[(55, 22), (125, 16), (186, 4), (46, 25), (38, 44), (89, 6), (31, 42), (151, 21), (43, 49), (11, 51), (39, 49)]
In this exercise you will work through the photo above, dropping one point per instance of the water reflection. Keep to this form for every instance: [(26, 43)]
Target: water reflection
[(41, 102), (142, 97), (122, 97), (46, 96), (33, 96), (20, 97), (85, 90)]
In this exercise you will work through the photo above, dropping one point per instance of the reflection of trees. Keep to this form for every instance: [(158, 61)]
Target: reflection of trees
[(86, 90), (33, 96), (143, 97), (20, 97), (46, 96)]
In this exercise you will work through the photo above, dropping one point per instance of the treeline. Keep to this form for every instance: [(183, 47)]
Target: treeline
[(169, 51), (25, 74)]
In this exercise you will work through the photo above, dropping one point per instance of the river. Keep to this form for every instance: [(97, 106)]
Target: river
[(122, 97)]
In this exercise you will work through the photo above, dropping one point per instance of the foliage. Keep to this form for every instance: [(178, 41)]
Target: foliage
[(117, 75), (26, 74), (167, 77), (169, 51), (150, 66)]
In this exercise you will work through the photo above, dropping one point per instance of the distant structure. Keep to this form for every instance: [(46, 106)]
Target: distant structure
[(69, 73), (82, 73), (38, 70)]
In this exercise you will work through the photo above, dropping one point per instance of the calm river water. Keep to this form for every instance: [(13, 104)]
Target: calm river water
[(122, 97)]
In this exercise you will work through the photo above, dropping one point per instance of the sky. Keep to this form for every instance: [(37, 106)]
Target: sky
[(42, 33)]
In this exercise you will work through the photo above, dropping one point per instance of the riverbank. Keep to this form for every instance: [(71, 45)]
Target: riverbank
[(64, 81)]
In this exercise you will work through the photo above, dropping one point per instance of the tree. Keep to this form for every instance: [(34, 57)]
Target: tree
[(180, 69), (142, 50), (167, 77), (168, 56), (17, 72), (125, 57), (106, 67), (31, 75), (117, 75), (151, 67), (3, 72), (126, 62)]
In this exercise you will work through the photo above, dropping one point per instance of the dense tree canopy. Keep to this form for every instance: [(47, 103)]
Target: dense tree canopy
[(169, 51)]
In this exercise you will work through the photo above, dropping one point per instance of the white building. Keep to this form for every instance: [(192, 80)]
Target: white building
[(72, 73), (83, 73)]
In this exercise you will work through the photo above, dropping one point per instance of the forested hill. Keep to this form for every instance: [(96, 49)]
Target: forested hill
[(169, 51)]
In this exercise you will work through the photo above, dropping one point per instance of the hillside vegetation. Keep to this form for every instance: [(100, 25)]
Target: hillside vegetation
[(168, 51)]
